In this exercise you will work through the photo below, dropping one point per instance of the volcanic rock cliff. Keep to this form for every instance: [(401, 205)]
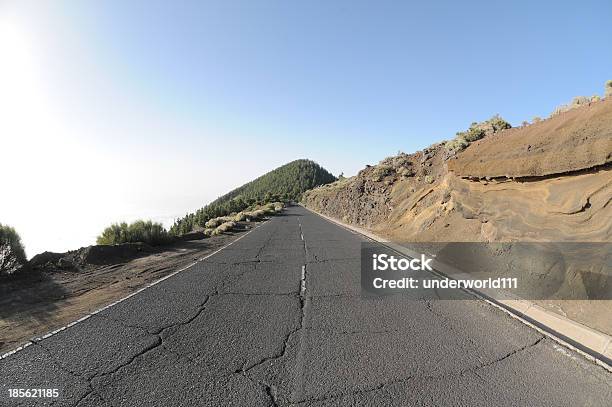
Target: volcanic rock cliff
[(547, 181)]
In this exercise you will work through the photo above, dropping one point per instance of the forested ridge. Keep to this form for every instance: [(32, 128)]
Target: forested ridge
[(285, 183)]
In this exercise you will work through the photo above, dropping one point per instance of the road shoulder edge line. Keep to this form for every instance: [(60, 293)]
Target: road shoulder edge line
[(37, 339), (593, 345)]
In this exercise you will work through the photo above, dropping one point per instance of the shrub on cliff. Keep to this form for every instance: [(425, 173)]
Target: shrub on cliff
[(381, 171), (476, 131), (576, 102)]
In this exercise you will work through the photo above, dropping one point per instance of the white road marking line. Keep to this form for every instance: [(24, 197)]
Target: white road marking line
[(303, 281), (58, 330)]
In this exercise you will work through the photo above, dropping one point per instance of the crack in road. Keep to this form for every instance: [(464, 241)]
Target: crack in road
[(380, 386), (159, 333), (270, 389), (325, 261), (291, 366), (304, 301)]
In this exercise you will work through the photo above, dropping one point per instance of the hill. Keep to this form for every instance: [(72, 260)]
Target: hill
[(286, 183)]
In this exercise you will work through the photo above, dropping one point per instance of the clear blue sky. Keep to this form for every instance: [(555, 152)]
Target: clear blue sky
[(345, 82), (159, 107)]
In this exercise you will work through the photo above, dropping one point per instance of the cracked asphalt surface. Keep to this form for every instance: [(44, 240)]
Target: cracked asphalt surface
[(278, 318)]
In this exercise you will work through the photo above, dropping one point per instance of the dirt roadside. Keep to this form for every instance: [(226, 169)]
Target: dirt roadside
[(39, 301)]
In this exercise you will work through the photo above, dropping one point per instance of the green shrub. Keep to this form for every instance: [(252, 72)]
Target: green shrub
[(240, 216), (476, 131), (225, 227), (140, 231), (9, 235), (536, 119), (257, 214), (268, 209), (213, 223), (381, 171), (498, 123), (405, 172), (471, 134), (608, 88), (457, 144), (595, 98), (396, 161), (12, 253)]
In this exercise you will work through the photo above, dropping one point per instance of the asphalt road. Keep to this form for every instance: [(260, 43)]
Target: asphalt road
[(277, 319)]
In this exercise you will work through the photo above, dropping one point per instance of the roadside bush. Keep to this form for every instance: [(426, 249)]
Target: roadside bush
[(222, 228), (268, 209), (213, 223), (226, 227), (257, 214), (12, 253), (140, 231), (240, 216)]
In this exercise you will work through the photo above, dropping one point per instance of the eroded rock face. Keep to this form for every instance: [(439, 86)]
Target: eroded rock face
[(577, 140), (10, 261), (498, 189), (377, 194)]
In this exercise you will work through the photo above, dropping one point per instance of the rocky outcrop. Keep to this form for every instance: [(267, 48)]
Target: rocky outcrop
[(91, 255), (549, 181), (577, 140), (546, 181)]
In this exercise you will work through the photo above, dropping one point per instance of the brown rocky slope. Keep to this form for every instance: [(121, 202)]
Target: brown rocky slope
[(548, 181)]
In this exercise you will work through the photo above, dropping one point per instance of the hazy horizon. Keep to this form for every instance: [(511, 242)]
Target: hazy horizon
[(115, 112)]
